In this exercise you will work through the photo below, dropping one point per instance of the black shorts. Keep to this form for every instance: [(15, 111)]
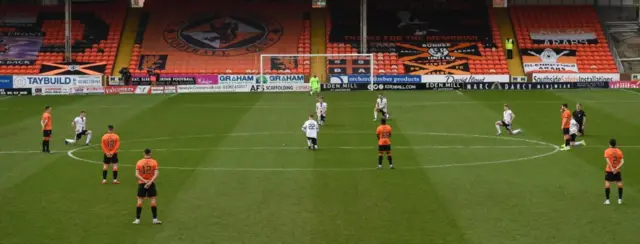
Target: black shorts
[(573, 137), (565, 131), (382, 111), (47, 133), (611, 177), (80, 134), (111, 160), (144, 192), (384, 148), (322, 117), (507, 126), (314, 141)]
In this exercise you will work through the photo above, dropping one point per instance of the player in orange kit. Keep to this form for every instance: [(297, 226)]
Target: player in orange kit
[(565, 126), (147, 173), (110, 145), (383, 132), (47, 129), (615, 160)]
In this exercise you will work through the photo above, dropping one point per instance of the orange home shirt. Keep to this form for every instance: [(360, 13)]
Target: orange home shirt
[(47, 116), (384, 135), (566, 116), (146, 167), (614, 156), (110, 143)]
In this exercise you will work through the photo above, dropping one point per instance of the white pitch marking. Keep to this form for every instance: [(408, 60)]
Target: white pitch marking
[(556, 149), (630, 91), (459, 92), (326, 148), (4, 98)]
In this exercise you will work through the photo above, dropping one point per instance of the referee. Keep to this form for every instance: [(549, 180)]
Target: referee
[(581, 117)]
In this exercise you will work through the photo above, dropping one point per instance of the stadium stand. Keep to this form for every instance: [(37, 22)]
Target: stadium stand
[(426, 37), (566, 38), (227, 40), (32, 38)]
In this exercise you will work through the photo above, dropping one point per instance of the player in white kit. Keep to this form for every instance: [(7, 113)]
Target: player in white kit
[(574, 128), (321, 110), (381, 107), (79, 125), (507, 120), (311, 129)]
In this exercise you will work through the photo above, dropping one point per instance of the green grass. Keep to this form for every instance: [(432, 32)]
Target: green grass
[(229, 172)]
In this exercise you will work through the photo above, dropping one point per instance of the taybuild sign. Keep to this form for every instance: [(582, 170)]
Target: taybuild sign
[(582, 77), (465, 78), (377, 79), (257, 79), (25, 81)]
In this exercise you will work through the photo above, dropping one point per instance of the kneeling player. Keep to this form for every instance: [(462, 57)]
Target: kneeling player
[(311, 128), (615, 160), (381, 107), (573, 133), (507, 120), (383, 132), (79, 125), (147, 173)]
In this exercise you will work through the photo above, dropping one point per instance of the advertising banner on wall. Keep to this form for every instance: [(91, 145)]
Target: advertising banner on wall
[(6, 81), (378, 79), (533, 86), (15, 92), (257, 79), (465, 78), (580, 77), (51, 91), (624, 84), (33, 81)]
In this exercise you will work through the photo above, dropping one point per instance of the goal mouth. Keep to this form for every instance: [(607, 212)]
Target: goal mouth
[(302, 64)]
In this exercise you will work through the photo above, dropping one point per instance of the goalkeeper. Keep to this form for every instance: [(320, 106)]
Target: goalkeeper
[(314, 83)]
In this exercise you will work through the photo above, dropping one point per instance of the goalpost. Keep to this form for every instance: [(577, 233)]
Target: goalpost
[(298, 61)]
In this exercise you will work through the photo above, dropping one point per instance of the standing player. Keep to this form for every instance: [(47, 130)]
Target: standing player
[(615, 160), (79, 125), (573, 133), (47, 129), (383, 132), (110, 146), (314, 83), (581, 117), (566, 123), (311, 129), (321, 110), (507, 120), (381, 107), (147, 173)]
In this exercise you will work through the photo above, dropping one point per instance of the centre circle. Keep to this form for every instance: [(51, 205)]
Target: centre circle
[(555, 148)]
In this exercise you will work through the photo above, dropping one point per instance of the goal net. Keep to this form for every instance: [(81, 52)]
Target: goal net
[(330, 68)]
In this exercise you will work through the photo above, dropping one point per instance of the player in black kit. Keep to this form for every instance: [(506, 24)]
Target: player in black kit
[(581, 117)]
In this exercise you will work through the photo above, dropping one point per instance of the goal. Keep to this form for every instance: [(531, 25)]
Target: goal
[(335, 65)]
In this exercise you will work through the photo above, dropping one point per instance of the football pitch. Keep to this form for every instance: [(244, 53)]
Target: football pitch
[(234, 168)]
